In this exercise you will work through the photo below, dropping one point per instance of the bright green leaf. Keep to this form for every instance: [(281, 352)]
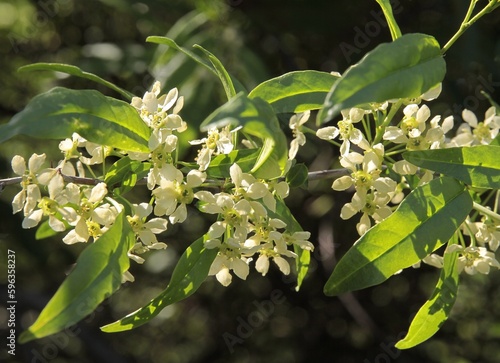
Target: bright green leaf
[(208, 65), (190, 272), (220, 165), (258, 120), (60, 112), (406, 68), (436, 310), (423, 222), (297, 91), (478, 166), (227, 83), (75, 71), (97, 275)]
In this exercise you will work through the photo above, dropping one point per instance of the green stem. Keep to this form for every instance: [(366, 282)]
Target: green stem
[(387, 121), (467, 22), (486, 211)]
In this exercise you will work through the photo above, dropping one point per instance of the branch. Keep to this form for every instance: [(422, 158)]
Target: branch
[(313, 175)]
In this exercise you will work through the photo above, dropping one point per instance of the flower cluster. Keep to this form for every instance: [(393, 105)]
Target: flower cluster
[(378, 179), (246, 208), (245, 227)]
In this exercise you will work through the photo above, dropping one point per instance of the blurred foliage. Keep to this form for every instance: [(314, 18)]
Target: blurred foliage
[(255, 40)]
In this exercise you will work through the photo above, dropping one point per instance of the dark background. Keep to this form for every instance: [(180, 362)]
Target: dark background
[(255, 40)]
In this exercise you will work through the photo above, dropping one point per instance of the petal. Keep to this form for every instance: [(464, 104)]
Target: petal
[(18, 201), (469, 117), (282, 264), (342, 183), (156, 225), (179, 215), (262, 264), (56, 224), (224, 276), (35, 162), (18, 165), (328, 133), (236, 174), (216, 230), (240, 268), (98, 193), (32, 219), (195, 178), (423, 114), (257, 190)]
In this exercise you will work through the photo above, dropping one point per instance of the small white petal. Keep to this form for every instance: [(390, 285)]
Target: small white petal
[(18, 165), (282, 264)]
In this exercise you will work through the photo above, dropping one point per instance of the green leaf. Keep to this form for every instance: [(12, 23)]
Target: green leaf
[(258, 120), (60, 112), (97, 275), (436, 310), (389, 16), (220, 165), (190, 272), (75, 71), (303, 256), (207, 64), (423, 222), (406, 68), (297, 176), (297, 91), (171, 43), (125, 173), (227, 83), (44, 231), (478, 166)]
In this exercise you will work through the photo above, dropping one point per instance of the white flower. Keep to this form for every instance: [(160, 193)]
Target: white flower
[(474, 259), (249, 187), (216, 143), (146, 231), (173, 194), (347, 131), (473, 132), (222, 266), (29, 196), (93, 216), (296, 121)]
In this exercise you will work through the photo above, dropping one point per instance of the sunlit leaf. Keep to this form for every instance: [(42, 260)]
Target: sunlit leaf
[(75, 71), (423, 222), (60, 112), (97, 275), (436, 310), (406, 68), (478, 166), (190, 272), (220, 165), (296, 91)]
